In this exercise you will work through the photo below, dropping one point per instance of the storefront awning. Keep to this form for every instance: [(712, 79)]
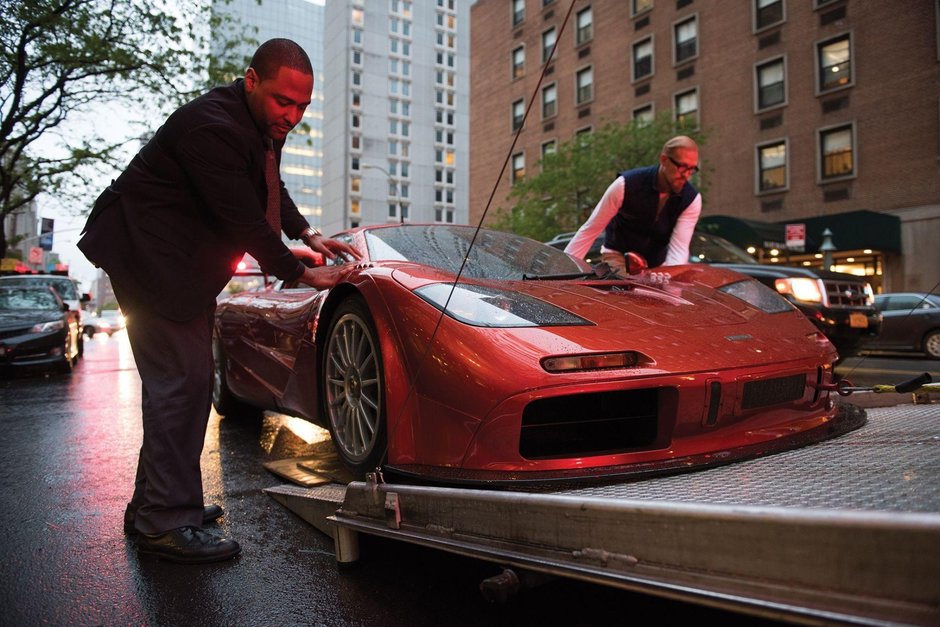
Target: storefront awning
[(853, 230)]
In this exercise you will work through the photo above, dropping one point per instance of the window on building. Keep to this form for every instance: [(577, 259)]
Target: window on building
[(354, 207), (584, 81), (686, 108), (357, 36), (767, 13), (643, 115), (549, 101), (837, 152), (835, 63), (357, 57), (357, 78), (548, 42), (772, 166), (686, 38), (518, 12), (518, 62), (518, 112), (585, 27), (643, 59), (771, 85), (354, 184), (357, 16), (640, 6), (518, 167), (549, 148)]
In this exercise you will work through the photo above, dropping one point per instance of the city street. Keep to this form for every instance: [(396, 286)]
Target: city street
[(67, 461)]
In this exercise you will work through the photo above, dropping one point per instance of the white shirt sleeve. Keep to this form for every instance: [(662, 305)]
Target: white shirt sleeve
[(678, 251), (605, 210)]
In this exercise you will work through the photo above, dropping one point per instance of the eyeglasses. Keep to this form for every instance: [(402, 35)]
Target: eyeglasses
[(683, 168)]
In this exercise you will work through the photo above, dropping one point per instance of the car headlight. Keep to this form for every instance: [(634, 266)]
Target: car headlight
[(802, 289), (44, 327), (489, 307), (758, 295)]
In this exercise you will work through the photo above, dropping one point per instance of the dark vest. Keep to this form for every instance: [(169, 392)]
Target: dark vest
[(636, 227)]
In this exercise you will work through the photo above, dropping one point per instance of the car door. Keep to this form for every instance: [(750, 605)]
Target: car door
[(900, 319)]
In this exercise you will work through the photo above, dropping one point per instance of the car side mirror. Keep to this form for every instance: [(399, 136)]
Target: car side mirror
[(636, 263)]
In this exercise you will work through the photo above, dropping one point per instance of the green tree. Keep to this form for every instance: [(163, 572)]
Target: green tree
[(66, 67), (570, 181)]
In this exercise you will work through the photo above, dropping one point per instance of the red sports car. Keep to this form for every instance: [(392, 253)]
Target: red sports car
[(471, 355)]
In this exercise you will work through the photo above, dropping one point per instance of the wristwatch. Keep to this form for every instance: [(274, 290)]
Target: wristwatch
[(308, 233)]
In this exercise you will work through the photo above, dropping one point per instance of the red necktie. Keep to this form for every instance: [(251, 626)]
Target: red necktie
[(273, 181)]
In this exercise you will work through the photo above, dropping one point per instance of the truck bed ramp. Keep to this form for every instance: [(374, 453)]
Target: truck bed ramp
[(847, 530)]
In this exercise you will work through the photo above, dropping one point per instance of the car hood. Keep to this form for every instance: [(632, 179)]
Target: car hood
[(21, 318)]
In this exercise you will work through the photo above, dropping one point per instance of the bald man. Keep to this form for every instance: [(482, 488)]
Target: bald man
[(651, 211)]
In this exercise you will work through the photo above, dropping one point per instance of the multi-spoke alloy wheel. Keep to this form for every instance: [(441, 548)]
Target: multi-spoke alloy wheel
[(353, 387)]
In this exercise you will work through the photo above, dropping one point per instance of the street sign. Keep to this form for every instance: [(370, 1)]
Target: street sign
[(45, 233), (796, 236)]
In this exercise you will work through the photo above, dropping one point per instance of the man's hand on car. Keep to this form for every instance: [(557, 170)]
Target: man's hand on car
[(325, 277), (331, 247)]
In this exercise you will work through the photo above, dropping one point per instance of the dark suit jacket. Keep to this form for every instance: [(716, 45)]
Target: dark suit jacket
[(172, 227)]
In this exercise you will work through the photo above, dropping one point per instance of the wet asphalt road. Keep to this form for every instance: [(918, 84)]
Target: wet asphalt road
[(67, 457)]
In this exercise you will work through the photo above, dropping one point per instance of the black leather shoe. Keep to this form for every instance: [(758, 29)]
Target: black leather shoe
[(188, 545), (209, 514)]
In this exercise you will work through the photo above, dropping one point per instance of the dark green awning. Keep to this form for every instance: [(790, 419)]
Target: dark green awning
[(853, 230)]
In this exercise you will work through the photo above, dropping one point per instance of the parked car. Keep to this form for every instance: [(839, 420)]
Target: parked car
[(530, 366), (109, 321), (66, 287), (37, 329), (840, 305), (911, 323)]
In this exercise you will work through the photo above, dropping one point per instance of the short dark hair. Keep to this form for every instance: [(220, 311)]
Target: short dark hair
[(277, 53)]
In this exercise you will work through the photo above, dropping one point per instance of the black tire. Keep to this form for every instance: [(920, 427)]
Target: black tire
[(68, 362), (225, 403), (89, 331), (932, 344), (352, 390)]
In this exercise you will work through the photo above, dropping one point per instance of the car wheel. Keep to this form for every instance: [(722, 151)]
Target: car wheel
[(68, 362), (932, 344), (225, 403), (89, 331), (353, 388)]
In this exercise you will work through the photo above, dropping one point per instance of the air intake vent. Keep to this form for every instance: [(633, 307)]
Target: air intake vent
[(828, 106), (833, 195), (771, 122), (832, 16), (642, 90), (768, 40), (643, 23), (686, 72), (590, 424)]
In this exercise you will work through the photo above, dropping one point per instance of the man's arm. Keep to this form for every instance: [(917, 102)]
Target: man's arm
[(605, 210), (678, 251), (217, 161)]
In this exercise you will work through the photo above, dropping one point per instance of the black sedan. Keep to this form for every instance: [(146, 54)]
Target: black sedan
[(36, 329), (911, 323)]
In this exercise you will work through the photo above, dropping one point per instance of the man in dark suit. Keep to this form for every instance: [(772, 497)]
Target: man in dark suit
[(169, 233)]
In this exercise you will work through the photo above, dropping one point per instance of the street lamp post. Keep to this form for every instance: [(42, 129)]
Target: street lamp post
[(393, 184)]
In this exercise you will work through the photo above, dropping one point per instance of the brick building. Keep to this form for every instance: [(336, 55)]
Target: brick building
[(821, 113)]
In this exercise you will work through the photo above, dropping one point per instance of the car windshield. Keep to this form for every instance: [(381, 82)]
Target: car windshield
[(495, 255), (705, 248), (27, 299), (64, 287)]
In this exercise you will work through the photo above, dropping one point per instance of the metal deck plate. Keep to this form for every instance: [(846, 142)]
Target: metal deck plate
[(890, 464)]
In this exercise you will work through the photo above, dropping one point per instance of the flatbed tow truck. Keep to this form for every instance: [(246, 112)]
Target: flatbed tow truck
[(843, 531)]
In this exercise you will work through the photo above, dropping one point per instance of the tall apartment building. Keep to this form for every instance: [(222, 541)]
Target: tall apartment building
[(301, 21), (820, 113), (396, 116)]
